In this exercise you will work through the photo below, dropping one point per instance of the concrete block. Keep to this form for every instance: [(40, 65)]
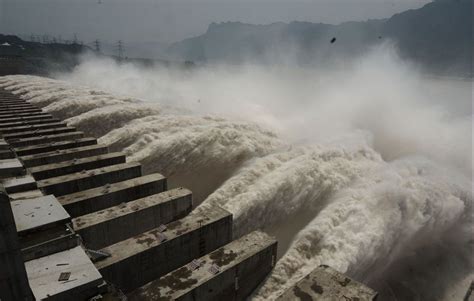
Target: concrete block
[(28, 122), (11, 168), (34, 133), (4, 145), (21, 114), (20, 111), (145, 257), (43, 116), (67, 167), (88, 179), (19, 184), (87, 201), (326, 284), (82, 283), (106, 227), (45, 139), (30, 194), (63, 155), (33, 215), (6, 154), (52, 146), (231, 272), (15, 107), (31, 127)]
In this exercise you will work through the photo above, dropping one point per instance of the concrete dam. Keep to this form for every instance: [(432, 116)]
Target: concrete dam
[(81, 222)]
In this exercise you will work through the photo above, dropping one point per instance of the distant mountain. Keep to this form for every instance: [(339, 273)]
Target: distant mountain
[(438, 36)]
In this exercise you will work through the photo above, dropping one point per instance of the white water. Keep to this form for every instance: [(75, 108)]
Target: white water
[(367, 170)]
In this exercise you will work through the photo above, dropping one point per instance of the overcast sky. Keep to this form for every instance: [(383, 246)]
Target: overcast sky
[(174, 20)]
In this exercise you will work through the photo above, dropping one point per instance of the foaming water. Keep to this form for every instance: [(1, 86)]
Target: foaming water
[(359, 169)]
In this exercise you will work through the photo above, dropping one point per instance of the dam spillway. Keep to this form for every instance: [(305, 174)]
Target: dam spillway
[(80, 222)]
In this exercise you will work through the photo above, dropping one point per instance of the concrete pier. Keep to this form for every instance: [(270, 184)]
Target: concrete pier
[(63, 155), (88, 179), (35, 133), (48, 147), (231, 272), (41, 139), (30, 122), (145, 257), (31, 127), (327, 284), (87, 201), (67, 167), (44, 116), (106, 227)]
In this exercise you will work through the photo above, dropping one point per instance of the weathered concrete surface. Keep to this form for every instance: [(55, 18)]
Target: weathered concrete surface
[(13, 280), (36, 133), (48, 147), (19, 184), (23, 114), (106, 227), (67, 167), (28, 122), (42, 139), (145, 257), (63, 155), (88, 179), (231, 272), (327, 284), (30, 127), (44, 116), (43, 274), (20, 112), (11, 168), (85, 202), (32, 215)]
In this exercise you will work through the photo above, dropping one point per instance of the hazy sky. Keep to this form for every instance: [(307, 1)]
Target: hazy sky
[(173, 20)]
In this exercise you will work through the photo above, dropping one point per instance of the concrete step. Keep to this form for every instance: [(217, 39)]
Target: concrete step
[(88, 201), (32, 127), (152, 254), (11, 168), (67, 167), (88, 179), (41, 116), (30, 122), (63, 155), (48, 147), (106, 227), (7, 154), (231, 272), (35, 133), (19, 184), (39, 140)]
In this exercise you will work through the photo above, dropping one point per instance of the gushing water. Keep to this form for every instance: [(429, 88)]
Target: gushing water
[(366, 170)]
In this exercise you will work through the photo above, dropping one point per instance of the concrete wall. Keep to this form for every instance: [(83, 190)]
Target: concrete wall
[(13, 280)]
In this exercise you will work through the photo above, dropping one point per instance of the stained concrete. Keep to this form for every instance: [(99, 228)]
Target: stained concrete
[(88, 179), (36, 133), (106, 227), (41, 139), (57, 156), (327, 284), (145, 257), (28, 122), (91, 200), (48, 147), (231, 272), (19, 184), (67, 167), (44, 116), (30, 127), (43, 274), (11, 168)]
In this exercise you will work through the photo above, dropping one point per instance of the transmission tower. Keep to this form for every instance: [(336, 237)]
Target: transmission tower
[(120, 50), (97, 46)]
